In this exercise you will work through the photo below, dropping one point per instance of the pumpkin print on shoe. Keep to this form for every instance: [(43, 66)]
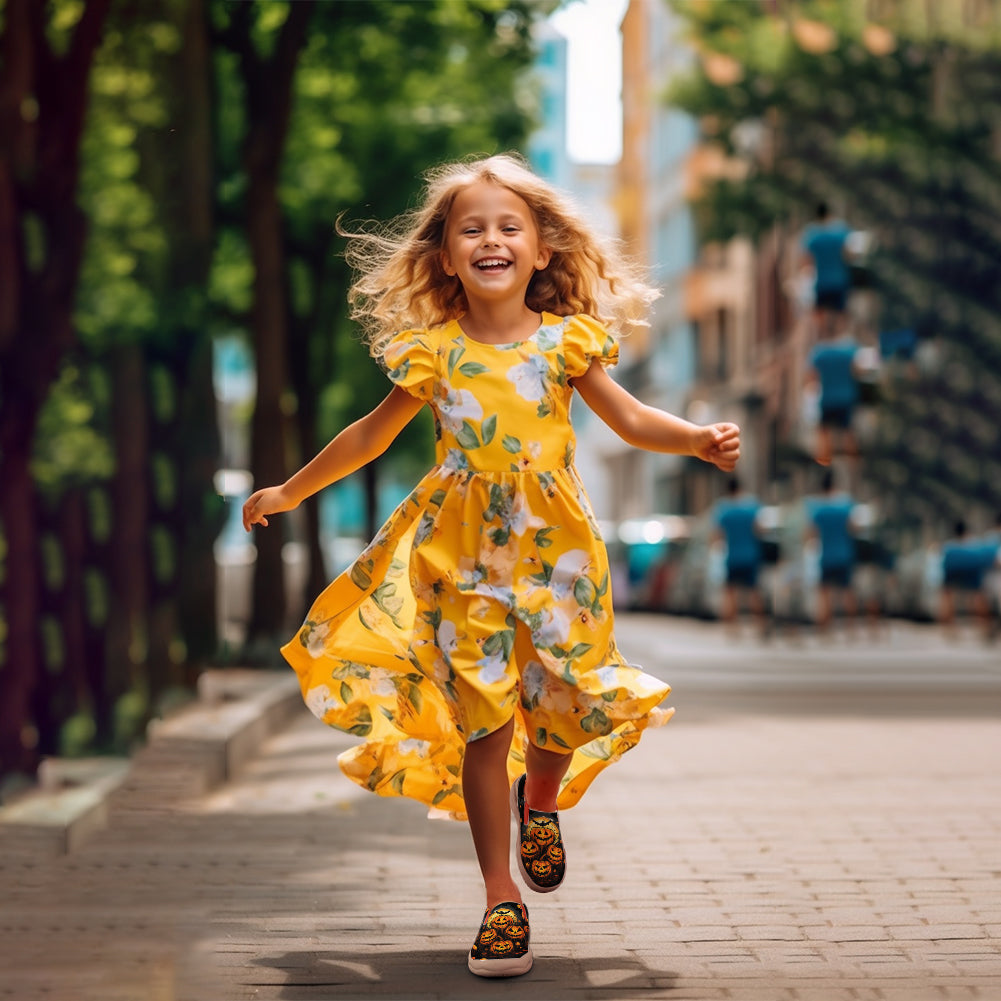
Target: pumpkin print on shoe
[(541, 859), (501, 948)]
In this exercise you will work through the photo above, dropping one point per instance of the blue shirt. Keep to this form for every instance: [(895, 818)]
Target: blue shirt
[(736, 518), (968, 555), (832, 517), (825, 242), (834, 362)]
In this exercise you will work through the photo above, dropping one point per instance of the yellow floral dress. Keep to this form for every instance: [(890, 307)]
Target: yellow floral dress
[(486, 594)]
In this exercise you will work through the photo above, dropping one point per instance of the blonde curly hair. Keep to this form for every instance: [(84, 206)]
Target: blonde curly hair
[(401, 284)]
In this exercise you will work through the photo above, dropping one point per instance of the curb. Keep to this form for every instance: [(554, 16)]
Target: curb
[(204, 744)]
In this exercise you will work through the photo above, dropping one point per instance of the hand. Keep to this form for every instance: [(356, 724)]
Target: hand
[(270, 500), (718, 444)]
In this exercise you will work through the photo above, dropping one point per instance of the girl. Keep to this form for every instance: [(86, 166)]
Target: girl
[(471, 643)]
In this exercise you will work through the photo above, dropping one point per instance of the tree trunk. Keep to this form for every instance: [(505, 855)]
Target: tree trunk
[(200, 510), (128, 624), (269, 96), (269, 320), (39, 169), (21, 661)]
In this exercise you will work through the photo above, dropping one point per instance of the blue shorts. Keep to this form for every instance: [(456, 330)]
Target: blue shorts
[(744, 575), (964, 578), (839, 575), (836, 417), (831, 298)]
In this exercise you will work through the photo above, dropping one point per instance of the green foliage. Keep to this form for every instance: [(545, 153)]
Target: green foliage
[(78, 735), (69, 448), (127, 248), (895, 124), (384, 89)]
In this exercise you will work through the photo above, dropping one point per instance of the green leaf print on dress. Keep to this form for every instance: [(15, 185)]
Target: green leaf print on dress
[(389, 601), (487, 586), (466, 436), (488, 429)]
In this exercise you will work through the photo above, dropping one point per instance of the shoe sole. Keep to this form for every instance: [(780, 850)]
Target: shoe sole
[(513, 967), (517, 848)]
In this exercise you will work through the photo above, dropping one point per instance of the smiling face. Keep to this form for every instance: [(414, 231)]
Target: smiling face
[(492, 243)]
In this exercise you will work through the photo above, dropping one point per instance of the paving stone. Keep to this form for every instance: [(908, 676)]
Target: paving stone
[(778, 851)]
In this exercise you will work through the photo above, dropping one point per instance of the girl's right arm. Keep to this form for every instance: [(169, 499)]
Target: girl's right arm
[(356, 445)]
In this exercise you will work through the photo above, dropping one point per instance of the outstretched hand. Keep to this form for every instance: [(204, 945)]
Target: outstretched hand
[(270, 500), (719, 444)]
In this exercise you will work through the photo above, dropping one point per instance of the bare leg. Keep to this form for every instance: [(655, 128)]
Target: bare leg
[(485, 790), (824, 446), (544, 771), (824, 608), (947, 611)]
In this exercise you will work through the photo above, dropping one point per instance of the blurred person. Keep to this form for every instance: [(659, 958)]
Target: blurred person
[(824, 242), (831, 525), (834, 375), (471, 645), (992, 577), (736, 520), (966, 561), (875, 561), (790, 601)]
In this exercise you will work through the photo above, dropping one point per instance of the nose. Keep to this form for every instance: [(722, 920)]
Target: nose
[(490, 238)]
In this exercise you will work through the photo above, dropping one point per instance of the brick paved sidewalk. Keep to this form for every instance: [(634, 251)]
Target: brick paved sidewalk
[(739, 854)]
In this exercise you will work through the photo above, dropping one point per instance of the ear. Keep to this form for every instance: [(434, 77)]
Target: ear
[(542, 261), (446, 264)]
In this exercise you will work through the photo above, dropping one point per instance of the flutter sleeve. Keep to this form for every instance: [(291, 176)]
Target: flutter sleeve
[(586, 340), (409, 361)]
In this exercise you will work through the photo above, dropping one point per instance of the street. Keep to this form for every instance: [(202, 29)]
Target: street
[(821, 821)]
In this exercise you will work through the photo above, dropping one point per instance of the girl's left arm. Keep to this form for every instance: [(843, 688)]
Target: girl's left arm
[(653, 429)]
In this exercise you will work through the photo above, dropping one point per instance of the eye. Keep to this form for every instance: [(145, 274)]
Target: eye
[(470, 231)]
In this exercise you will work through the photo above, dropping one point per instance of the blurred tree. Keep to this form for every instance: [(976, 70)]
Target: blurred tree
[(125, 445), (895, 119), (382, 91), (142, 314), (266, 40), (46, 52), (387, 91)]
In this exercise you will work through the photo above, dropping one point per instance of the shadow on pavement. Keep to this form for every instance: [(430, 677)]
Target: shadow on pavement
[(314, 975)]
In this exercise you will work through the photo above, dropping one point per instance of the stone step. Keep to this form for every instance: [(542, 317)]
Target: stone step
[(205, 743)]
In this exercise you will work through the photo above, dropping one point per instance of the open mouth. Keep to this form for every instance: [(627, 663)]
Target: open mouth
[(493, 264)]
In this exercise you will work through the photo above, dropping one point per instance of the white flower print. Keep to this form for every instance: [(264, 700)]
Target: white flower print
[(530, 378), (320, 700), (554, 627), (414, 746), (455, 460), (381, 681), (570, 567), (548, 338), (448, 639), (608, 675), (458, 405), (492, 668), (543, 690), (470, 574), (316, 641), (533, 678), (519, 517)]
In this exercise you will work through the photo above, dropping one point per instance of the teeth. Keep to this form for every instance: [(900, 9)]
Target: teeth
[(493, 262)]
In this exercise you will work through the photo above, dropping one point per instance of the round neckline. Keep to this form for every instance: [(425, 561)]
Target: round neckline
[(502, 345)]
